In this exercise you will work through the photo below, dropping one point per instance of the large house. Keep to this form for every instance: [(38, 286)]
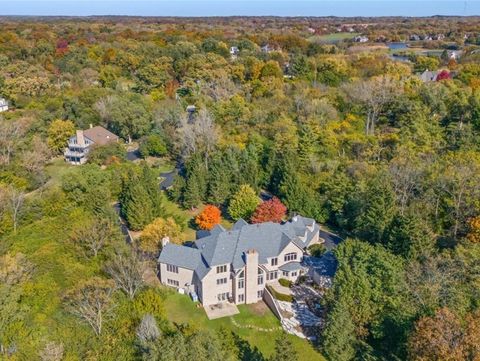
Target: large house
[(235, 265), (80, 144)]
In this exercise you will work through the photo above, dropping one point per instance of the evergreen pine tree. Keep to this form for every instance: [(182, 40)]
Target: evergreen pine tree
[(152, 186), (284, 350), (196, 183), (378, 210), (250, 172), (219, 184), (339, 336), (137, 207), (306, 144)]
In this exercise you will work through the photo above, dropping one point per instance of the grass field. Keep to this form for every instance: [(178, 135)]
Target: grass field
[(332, 38), (180, 309)]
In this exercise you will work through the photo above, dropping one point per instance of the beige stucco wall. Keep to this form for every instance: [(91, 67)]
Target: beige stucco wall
[(316, 239), (184, 276), (290, 248), (210, 289)]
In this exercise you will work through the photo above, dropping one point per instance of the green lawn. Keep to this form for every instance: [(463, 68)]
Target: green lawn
[(180, 309), (332, 38), (56, 169)]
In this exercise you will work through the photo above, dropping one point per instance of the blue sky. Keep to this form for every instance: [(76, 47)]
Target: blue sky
[(240, 7)]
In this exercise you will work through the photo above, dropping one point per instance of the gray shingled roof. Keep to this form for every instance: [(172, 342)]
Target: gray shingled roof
[(290, 266), (297, 227), (239, 224), (181, 256), (269, 239), (229, 247)]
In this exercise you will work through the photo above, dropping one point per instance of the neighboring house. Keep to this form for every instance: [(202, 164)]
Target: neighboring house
[(235, 265), (429, 76), (80, 144), (3, 105), (267, 48), (454, 54), (360, 39)]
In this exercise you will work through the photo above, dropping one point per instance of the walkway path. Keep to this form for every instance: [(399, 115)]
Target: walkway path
[(256, 328)]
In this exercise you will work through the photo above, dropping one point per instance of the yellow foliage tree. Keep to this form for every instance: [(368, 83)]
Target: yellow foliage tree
[(58, 133), (152, 235), (474, 234)]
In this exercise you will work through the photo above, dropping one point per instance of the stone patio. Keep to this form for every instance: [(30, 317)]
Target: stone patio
[(221, 310)]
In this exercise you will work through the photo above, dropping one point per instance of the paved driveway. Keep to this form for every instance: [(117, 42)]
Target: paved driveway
[(331, 240)]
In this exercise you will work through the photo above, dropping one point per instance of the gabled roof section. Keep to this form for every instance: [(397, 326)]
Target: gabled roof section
[(217, 229), (99, 135), (218, 248), (239, 224), (181, 256)]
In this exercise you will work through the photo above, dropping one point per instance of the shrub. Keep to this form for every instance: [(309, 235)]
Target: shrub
[(153, 145), (317, 250), (285, 283), (106, 154), (150, 301)]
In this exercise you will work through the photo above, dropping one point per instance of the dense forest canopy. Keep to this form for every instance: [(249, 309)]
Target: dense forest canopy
[(342, 133)]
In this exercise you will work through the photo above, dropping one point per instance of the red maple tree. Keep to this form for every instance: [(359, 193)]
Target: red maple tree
[(272, 210), (444, 75), (208, 218)]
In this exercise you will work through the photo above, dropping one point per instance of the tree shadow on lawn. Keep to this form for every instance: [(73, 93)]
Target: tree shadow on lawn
[(247, 352)]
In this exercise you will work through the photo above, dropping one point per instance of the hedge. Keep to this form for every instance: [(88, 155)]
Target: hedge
[(280, 296)]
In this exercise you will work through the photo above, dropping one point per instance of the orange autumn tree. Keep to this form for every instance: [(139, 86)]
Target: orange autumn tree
[(208, 218)]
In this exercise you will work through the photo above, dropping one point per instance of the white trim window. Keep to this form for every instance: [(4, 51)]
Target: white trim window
[(290, 257), (272, 275), (223, 296), (222, 269), (221, 281), (260, 277), (173, 282), (274, 261), (172, 268)]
